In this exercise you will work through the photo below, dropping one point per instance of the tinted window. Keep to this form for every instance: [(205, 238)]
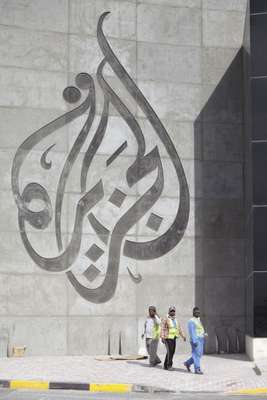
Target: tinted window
[(258, 29)]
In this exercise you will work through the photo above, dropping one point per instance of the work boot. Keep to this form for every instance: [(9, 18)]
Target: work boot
[(199, 372), (187, 366)]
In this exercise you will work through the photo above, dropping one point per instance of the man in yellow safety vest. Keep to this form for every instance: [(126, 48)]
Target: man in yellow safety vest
[(170, 331), (152, 334)]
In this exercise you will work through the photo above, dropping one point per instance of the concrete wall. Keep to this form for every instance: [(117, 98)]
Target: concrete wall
[(184, 56)]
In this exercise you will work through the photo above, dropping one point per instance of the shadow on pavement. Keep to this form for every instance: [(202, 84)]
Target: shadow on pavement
[(157, 367)]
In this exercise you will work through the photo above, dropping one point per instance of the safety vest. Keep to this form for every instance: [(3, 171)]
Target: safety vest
[(199, 327), (173, 328), (156, 331)]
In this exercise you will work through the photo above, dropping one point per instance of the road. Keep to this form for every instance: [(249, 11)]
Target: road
[(6, 394)]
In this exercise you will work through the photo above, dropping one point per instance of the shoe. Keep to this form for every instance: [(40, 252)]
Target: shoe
[(166, 368), (199, 372), (158, 362), (187, 367)]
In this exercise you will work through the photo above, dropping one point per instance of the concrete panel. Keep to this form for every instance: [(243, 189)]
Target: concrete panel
[(177, 291), (86, 55), (223, 219), (89, 335), (199, 295), (167, 208), (223, 142), (20, 261), (28, 49), (3, 294), (172, 101), (224, 296), (171, 184), (84, 15), (82, 262), (231, 5), (222, 257), (186, 137), (223, 28), (179, 262), (223, 103), (37, 295), (215, 62), (222, 180), (194, 227), (173, 3), (105, 212), (31, 170), (9, 214), (51, 15), (16, 124), (113, 176), (41, 336), (161, 24), (30, 88), (226, 334), (116, 134), (168, 63), (120, 91), (123, 302), (199, 265), (256, 348), (194, 176)]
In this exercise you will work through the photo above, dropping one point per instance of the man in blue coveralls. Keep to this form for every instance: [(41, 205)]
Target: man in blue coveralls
[(197, 334)]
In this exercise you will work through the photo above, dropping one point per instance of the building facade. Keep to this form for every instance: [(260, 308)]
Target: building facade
[(122, 158)]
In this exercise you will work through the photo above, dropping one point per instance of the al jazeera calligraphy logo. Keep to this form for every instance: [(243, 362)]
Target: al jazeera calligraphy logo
[(113, 238)]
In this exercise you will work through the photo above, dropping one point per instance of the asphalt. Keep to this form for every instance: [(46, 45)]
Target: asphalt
[(71, 395), (222, 374)]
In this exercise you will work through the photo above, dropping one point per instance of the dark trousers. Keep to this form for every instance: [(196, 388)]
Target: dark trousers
[(170, 347)]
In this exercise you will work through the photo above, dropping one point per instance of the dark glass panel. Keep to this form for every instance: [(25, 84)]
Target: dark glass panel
[(260, 238), (260, 304), (258, 34), (249, 306), (259, 108), (258, 6), (259, 162)]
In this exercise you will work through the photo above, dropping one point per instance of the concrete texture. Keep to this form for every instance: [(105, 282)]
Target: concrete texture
[(184, 56), (222, 373), (256, 349)]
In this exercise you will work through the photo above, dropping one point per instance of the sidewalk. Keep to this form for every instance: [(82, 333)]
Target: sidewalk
[(223, 373)]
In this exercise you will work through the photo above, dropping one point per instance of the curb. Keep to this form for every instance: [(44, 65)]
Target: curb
[(90, 387), (262, 390)]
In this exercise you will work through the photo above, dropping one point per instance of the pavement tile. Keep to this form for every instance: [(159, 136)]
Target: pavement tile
[(221, 372)]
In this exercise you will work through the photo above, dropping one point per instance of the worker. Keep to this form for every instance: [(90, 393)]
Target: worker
[(197, 335), (170, 331), (152, 334)]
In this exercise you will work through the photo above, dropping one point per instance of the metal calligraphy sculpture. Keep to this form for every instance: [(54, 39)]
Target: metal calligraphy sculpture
[(143, 165)]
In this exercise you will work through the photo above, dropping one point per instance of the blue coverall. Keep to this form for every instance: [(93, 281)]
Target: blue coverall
[(197, 344)]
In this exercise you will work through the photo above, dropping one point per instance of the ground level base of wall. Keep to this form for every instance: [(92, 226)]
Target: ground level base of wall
[(256, 348)]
